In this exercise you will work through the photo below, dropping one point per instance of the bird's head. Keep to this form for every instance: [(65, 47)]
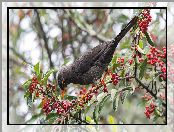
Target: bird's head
[(62, 78)]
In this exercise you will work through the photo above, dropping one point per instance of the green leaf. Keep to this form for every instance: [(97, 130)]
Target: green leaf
[(122, 18), (33, 96), (146, 49), (141, 44), (140, 50), (143, 68), (160, 79), (155, 118), (122, 73), (96, 114), (39, 77), (113, 92), (51, 115), (88, 107), (123, 96), (37, 68), (149, 40), (89, 119), (101, 96), (125, 44), (101, 104), (29, 100), (44, 80), (26, 84), (111, 119), (141, 103), (27, 94), (116, 101), (69, 97), (157, 113), (115, 65), (40, 105), (114, 59)]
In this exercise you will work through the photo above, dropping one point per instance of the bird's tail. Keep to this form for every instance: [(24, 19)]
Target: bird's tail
[(125, 30)]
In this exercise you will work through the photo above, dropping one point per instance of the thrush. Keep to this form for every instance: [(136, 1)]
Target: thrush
[(91, 65)]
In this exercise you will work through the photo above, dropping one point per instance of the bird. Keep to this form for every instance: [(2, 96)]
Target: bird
[(92, 64)]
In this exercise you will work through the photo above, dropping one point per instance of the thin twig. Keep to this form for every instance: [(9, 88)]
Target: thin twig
[(20, 56), (44, 37)]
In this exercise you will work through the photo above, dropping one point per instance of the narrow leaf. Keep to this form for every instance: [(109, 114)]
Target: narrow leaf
[(29, 100), (113, 92), (51, 115), (123, 96), (115, 102), (69, 97), (96, 114), (114, 59), (89, 119), (39, 77), (140, 50), (37, 68), (26, 84), (88, 107), (101, 105), (149, 40), (44, 80), (141, 44), (101, 96), (143, 68)]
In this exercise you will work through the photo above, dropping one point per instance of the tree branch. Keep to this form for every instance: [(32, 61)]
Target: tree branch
[(89, 30), (20, 56), (146, 87), (44, 37)]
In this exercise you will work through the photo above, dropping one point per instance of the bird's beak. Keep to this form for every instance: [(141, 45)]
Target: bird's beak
[(63, 92)]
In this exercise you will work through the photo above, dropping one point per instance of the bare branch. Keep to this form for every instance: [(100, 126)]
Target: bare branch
[(44, 37), (20, 56)]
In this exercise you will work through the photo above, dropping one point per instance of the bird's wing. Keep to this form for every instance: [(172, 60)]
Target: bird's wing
[(86, 61)]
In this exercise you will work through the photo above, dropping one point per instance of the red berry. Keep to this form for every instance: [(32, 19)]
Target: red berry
[(130, 62), (105, 90), (163, 70), (34, 79), (37, 94)]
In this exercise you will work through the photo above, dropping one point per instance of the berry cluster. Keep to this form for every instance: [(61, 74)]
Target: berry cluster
[(49, 101), (83, 91), (105, 90), (102, 82), (33, 84), (86, 96), (38, 88), (115, 78), (149, 110), (46, 107), (61, 107), (120, 61), (155, 58), (144, 20), (147, 97)]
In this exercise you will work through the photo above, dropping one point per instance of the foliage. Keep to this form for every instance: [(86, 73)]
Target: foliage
[(144, 64)]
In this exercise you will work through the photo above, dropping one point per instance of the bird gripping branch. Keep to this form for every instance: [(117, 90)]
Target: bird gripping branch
[(90, 66)]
